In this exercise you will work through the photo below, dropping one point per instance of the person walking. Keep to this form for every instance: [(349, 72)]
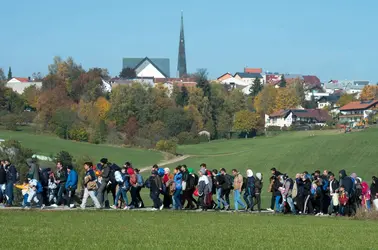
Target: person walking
[(71, 186), (60, 178), (238, 183), (105, 177), (249, 192), (11, 173), (258, 188), (33, 172), (90, 186), (155, 185), (178, 188), (140, 185)]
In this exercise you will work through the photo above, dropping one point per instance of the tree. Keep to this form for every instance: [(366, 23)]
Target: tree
[(282, 82), (31, 95), (2, 76), (182, 97), (203, 82), (256, 87), (369, 92), (345, 99), (286, 98), (65, 158), (176, 121), (265, 101), (10, 73), (246, 121), (37, 76), (63, 120), (298, 85), (53, 68), (103, 106), (128, 73)]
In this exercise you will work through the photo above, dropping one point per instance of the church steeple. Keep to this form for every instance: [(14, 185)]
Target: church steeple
[(181, 63)]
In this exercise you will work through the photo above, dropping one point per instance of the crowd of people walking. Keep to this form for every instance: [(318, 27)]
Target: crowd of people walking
[(317, 193)]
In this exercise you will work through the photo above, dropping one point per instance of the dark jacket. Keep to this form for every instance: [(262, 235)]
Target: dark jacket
[(346, 181), (300, 187), (155, 184), (3, 175), (276, 185), (307, 187), (185, 176), (61, 175), (105, 173), (374, 190), (334, 185), (11, 173), (258, 186), (92, 177), (250, 185)]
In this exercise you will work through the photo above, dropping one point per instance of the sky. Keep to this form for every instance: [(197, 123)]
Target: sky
[(331, 39)]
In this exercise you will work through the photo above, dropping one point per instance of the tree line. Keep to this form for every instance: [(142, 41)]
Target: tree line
[(74, 105)]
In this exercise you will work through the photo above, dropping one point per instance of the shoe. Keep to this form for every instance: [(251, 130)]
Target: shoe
[(126, 208), (72, 205), (54, 205), (114, 207), (161, 207), (154, 209), (227, 208), (139, 204), (27, 208), (43, 206), (269, 209)]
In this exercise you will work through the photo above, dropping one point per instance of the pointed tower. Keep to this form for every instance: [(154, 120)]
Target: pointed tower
[(181, 63)]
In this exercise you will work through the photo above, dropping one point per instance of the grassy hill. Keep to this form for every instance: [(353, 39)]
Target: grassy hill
[(291, 153), (50, 145)]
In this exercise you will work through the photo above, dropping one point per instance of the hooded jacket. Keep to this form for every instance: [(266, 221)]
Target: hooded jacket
[(33, 169), (3, 175), (258, 183), (72, 180), (11, 173), (346, 181), (307, 186), (178, 180)]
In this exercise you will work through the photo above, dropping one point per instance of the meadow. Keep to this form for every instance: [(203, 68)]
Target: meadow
[(179, 230)]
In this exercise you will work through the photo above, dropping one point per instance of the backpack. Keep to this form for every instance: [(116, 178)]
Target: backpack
[(229, 181), (113, 168), (140, 182), (245, 181), (190, 184), (39, 187)]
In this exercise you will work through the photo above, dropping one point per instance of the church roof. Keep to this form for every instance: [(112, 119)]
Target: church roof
[(162, 64)]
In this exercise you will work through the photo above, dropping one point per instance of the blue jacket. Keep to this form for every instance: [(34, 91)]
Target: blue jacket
[(178, 179), (72, 179)]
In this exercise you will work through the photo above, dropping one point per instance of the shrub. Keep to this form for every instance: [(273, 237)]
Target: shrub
[(273, 128), (65, 158), (203, 138), (187, 138), (78, 134), (366, 215), (10, 121), (169, 146)]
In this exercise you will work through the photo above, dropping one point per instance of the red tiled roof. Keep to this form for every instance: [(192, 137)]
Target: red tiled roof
[(253, 70), (313, 80), (279, 113), (22, 79), (359, 105)]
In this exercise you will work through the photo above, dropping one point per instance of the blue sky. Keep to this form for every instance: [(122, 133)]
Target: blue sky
[(332, 39)]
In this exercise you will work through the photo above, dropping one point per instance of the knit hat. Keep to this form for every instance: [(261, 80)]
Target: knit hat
[(190, 170), (249, 173), (167, 170), (104, 160)]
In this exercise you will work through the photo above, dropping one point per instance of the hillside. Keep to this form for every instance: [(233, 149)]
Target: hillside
[(50, 145), (291, 153)]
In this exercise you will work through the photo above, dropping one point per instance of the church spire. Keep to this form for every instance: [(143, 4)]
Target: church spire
[(181, 63)]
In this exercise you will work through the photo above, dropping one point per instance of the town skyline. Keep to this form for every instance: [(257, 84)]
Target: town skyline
[(305, 47)]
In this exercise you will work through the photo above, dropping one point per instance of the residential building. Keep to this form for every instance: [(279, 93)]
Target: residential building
[(349, 87), (248, 78), (114, 82), (179, 82), (19, 84), (356, 112), (224, 77), (312, 82), (286, 118), (253, 70), (328, 101), (148, 67)]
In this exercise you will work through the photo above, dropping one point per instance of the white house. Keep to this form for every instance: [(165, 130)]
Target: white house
[(19, 84), (248, 78), (349, 87), (286, 118)]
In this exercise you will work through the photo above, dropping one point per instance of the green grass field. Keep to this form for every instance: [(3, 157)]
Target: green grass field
[(289, 153), (50, 145), (179, 230)]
